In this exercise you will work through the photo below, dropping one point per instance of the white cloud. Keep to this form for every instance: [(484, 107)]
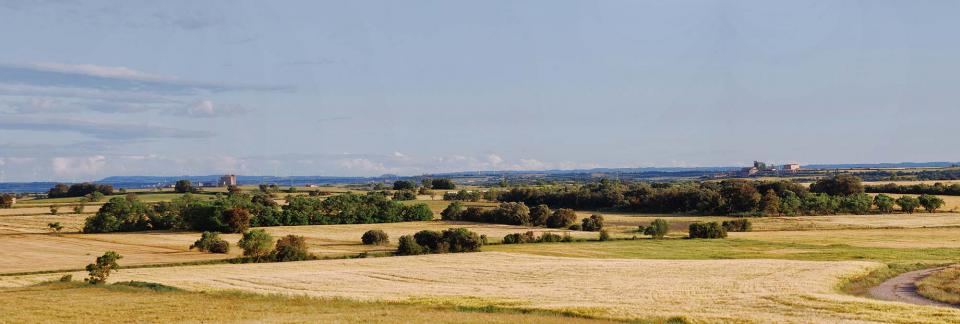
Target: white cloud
[(494, 159), (119, 72), (208, 109), (78, 166)]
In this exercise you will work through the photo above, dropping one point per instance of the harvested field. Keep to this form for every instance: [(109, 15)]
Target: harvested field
[(885, 238), (38, 224), (72, 251), (716, 290), (629, 221)]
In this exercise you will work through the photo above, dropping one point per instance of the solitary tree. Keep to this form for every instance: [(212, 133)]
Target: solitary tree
[(183, 186), (100, 270), (256, 243), (657, 229), (6, 200)]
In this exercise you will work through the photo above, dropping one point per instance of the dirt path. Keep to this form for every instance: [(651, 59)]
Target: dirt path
[(902, 288)]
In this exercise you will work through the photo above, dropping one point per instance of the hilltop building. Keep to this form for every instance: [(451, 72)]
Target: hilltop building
[(227, 180), (791, 167)]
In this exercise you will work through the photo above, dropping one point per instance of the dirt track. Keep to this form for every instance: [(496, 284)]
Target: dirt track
[(903, 288)]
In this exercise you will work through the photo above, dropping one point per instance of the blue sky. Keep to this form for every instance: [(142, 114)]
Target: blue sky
[(97, 88)]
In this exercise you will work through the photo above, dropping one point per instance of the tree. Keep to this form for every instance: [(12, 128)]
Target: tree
[(707, 230), (99, 271), (908, 204), (443, 184), (884, 203), (461, 240), (426, 183), (539, 214), (238, 219), (183, 186), (404, 195), (452, 212), (255, 243), (930, 202), (375, 237), (232, 189), (856, 203), (404, 185), (211, 242), (120, 214), (740, 196), (409, 246), (291, 248), (562, 218), (512, 213), (6, 200), (770, 203), (657, 229), (790, 203), (839, 185), (59, 190), (593, 223)]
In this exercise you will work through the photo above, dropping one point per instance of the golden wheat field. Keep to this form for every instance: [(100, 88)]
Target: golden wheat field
[(945, 237), (44, 252), (712, 290)]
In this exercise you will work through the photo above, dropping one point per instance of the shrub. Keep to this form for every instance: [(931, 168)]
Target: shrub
[(291, 248), (709, 230), (375, 237), (211, 242), (183, 186), (550, 238), (6, 200), (575, 227), (55, 226), (512, 213), (604, 235), (404, 185), (238, 219), (517, 238), (405, 195), (100, 270), (593, 224), (54, 210), (562, 218), (657, 229), (431, 241), (930, 202), (452, 212), (255, 243), (418, 212), (908, 204), (442, 183), (737, 225), (66, 278), (408, 246)]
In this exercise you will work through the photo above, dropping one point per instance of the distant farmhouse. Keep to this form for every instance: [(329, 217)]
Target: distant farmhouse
[(227, 180)]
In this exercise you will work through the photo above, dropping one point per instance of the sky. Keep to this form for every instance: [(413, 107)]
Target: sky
[(362, 88)]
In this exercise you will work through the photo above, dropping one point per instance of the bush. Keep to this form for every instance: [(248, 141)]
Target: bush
[(418, 212), (575, 227), (100, 270), (593, 224), (551, 237), (604, 235), (66, 278), (452, 212), (291, 248), (657, 229), (55, 226), (183, 186), (255, 243), (709, 230), (884, 203), (405, 195), (431, 241), (375, 237), (737, 225), (409, 246), (517, 238), (238, 219), (562, 218), (512, 214), (462, 240), (404, 185), (54, 209), (6, 200), (78, 209), (211, 242)]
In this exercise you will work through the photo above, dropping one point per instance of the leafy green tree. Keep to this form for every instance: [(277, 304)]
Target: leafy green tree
[(657, 229), (443, 184), (404, 195), (409, 246), (291, 248), (839, 185), (100, 270), (930, 202), (770, 203), (562, 218), (709, 230), (512, 213), (593, 223), (884, 203), (183, 186), (461, 240), (856, 203), (120, 214), (908, 204), (452, 212), (790, 203), (256, 243), (238, 219), (404, 185), (539, 214), (740, 196)]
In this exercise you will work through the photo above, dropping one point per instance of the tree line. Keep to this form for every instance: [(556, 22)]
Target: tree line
[(62, 190), (917, 189), (236, 212)]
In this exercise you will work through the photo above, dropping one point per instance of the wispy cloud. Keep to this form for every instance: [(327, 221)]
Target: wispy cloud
[(102, 130), (208, 109)]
